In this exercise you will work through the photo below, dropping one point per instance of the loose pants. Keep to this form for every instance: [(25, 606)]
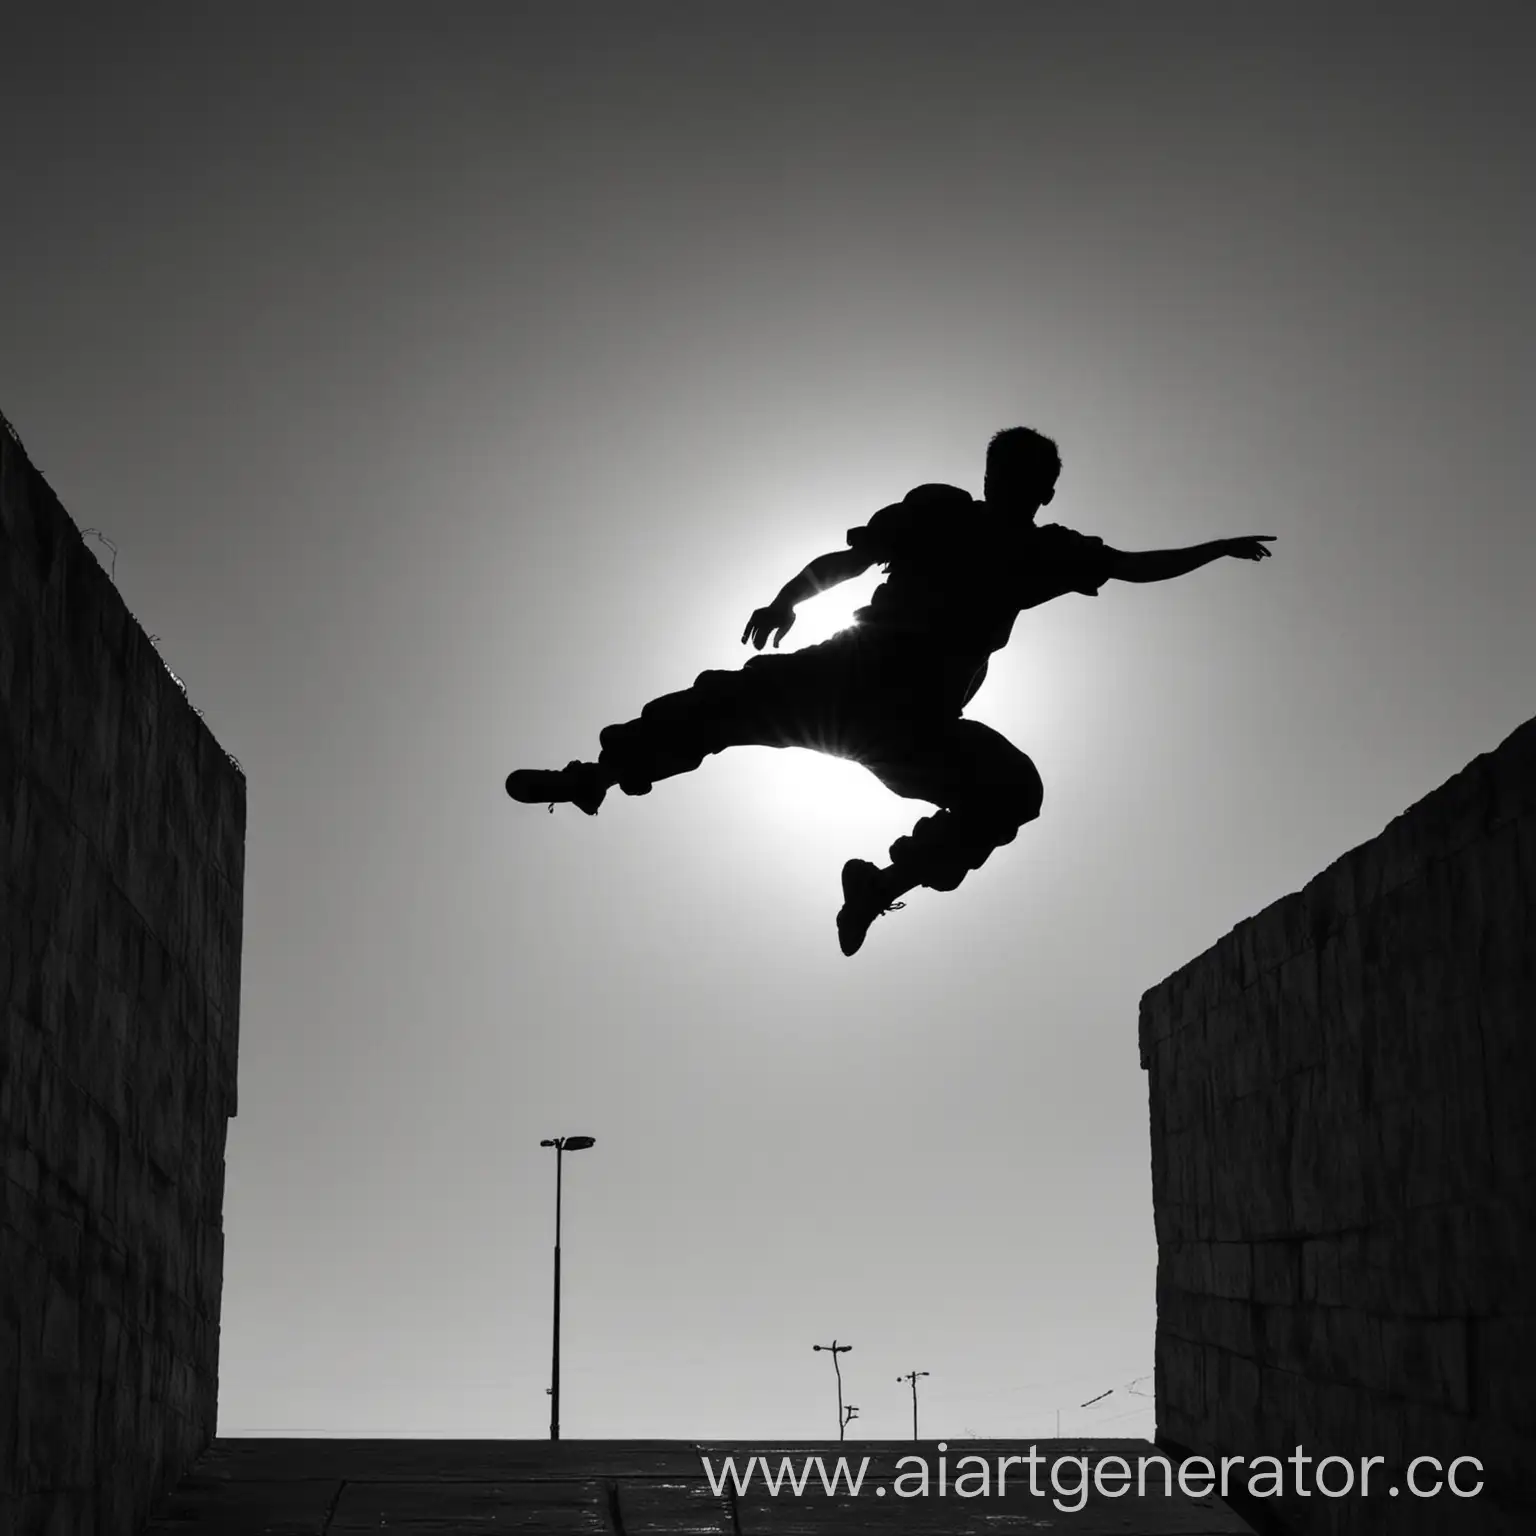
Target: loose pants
[(889, 704)]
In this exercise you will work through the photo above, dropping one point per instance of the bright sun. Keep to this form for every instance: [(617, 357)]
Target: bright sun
[(801, 790), (819, 618), (803, 807), (810, 788)]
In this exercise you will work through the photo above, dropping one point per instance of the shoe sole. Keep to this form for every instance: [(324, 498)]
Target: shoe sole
[(512, 780), (850, 872), (522, 785), (533, 786)]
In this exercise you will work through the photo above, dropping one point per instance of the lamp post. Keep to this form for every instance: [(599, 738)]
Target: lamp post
[(835, 1349), (562, 1145)]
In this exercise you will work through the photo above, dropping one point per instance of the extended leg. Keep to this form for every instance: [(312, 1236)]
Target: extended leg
[(771, 701), (675, 733)]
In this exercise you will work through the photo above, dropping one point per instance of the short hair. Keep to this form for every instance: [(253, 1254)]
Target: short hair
[(1021, 453)]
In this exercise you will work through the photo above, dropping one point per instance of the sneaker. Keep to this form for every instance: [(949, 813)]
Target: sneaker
[(580, 784), (863, 902)]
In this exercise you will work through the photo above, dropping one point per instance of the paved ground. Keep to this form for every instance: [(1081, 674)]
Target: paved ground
[(652, 1488)]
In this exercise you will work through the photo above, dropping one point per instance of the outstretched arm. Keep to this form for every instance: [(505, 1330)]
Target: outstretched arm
[(825, 571), (1164, 564)]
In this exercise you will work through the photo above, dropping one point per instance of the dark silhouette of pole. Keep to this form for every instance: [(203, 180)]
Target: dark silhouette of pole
[(912, 1377), (835, 1349), (562, 1145)]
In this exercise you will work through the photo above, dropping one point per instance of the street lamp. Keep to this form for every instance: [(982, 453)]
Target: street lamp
[(835, 1349), (562, 1145)]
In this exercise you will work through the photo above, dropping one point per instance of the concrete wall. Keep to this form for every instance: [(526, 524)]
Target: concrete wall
[(122, 827), (1344, 1160)]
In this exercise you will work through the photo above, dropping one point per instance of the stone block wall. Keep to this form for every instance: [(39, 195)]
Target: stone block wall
[(1344, 1167), (122, 827)]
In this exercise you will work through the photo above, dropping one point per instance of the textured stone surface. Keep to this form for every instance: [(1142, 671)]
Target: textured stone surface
[(1343, 1159), (626, 1488), (122, 827)]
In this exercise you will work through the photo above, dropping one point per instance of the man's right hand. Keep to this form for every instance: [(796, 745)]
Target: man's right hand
[(777, 619)]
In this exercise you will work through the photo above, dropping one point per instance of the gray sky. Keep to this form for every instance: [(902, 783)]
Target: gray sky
[(454, 379)]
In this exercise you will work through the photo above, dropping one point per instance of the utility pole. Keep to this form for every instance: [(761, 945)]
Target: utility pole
[(562, 1145), (835, 1349), (912, 1377)]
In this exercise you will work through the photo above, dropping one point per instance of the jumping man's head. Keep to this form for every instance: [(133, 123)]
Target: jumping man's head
[(1022, 466)]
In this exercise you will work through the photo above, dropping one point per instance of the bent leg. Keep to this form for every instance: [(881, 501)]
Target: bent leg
[(986, 789)]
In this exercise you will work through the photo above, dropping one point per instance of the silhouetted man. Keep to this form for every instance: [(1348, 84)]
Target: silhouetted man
[(888, 692)]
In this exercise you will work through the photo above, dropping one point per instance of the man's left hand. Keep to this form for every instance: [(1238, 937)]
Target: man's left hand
[(1253, 547)]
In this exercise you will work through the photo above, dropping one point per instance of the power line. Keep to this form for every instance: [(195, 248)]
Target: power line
[(912, 1377)]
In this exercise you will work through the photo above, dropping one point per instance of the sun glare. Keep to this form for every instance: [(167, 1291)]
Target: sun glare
[(804, 787), (819, 618), (794, 793)]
